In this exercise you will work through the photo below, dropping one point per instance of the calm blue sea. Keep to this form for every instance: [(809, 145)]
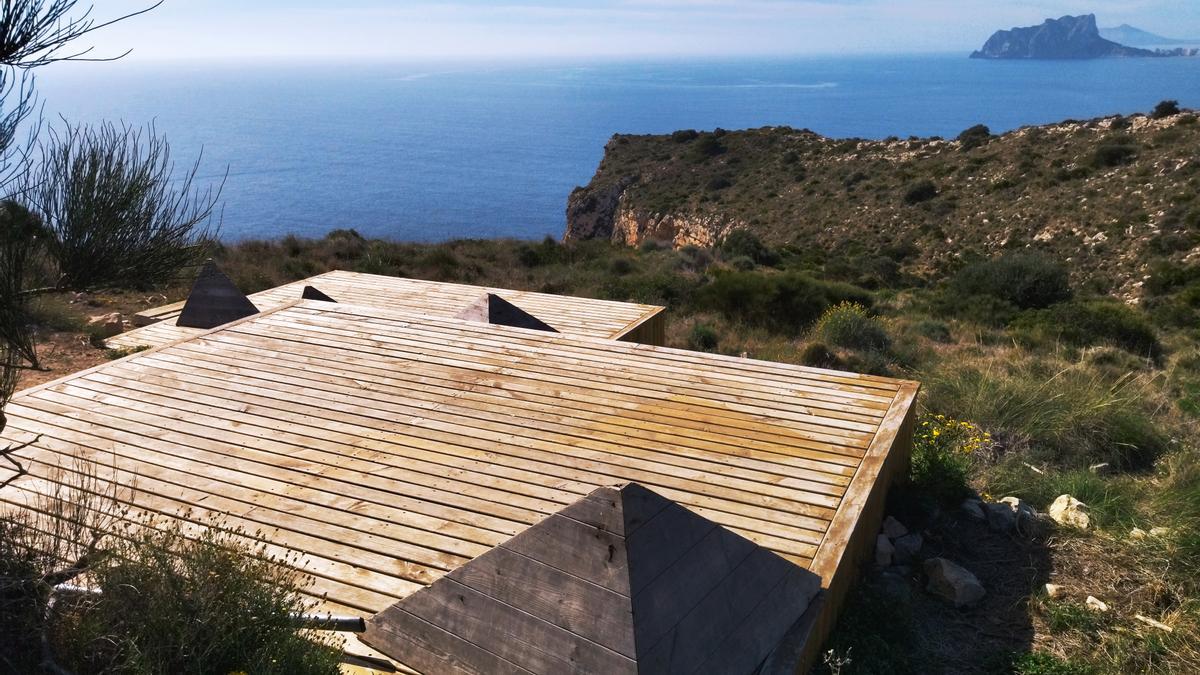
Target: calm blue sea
[(431, 152)]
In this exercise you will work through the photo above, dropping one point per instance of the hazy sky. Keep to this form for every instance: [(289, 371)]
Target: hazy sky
[(397, 29)]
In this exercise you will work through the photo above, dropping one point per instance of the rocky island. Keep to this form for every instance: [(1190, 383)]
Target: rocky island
[(1070, 37)]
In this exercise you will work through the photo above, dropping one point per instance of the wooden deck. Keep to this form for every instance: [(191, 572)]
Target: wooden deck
[(392, 447), (626, 321)]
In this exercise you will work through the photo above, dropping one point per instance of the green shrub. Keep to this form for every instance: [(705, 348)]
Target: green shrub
[(174, 604), (1115, 150), (684, 135), (655, 288), (547, 252), (785, 302), (743, 242), (975, 136), (1092, 322), (933, 329), (1165, 109), (621, 266), (819, 355), (706, 147), (942, 457), (703, 338), (1025, 280), (920, 191), (848, 325)]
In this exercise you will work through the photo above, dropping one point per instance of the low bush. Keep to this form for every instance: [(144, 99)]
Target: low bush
[(819, 355), (933, 329), (975, 136), (848, 325), (1115, 150), (1024, 280), (1092, 322), (174, 604), (1165, 109), (920, 191), (703, 338), (743, 242), (785, 302), (942, 456)]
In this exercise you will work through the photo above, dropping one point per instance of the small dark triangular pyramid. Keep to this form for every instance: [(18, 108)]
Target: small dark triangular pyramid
[(494, 309), (622, 581), (311, 293), (214, 301)]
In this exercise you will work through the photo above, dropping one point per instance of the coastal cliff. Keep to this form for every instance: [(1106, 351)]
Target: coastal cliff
[(1071, 37), (1103, 194)]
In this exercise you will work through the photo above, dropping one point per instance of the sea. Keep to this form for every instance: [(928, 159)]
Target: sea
[(437, 151)]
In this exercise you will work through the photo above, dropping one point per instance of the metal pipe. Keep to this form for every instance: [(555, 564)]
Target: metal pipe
[(344, 624)]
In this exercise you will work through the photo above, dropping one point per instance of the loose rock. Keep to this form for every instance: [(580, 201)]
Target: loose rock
[(1054, 591), (106, 325), (883, 551), (1096, 604), (1000, 517), (953, 583), (1066, 510), (907, 547), (974, 509), (893, 528), (1137, 533), (1026, 515), (1160, 532)]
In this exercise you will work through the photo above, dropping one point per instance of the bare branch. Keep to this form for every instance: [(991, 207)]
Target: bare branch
[(35, 33), (7, 455)]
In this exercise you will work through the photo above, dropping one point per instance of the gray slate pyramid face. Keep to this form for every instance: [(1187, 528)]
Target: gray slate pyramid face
[(311, 293), (214, 301), (623, 581), (494, 309)]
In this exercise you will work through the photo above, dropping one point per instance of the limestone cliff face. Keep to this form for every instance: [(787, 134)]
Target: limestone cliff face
[(605, 213), (633, 227)]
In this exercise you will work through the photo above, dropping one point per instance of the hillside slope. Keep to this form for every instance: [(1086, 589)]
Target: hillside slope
[(1106, 195)]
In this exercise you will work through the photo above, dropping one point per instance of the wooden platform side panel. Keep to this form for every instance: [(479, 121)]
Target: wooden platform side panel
[(850, 541), (649, 330)]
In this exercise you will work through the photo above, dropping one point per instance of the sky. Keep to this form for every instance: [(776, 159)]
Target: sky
[(539, 29)]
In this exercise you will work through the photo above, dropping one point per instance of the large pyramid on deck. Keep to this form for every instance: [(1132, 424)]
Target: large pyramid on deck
[(622, 581)]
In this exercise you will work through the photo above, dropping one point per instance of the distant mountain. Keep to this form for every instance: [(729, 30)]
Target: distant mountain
[(1136, 37), (1071, 37)]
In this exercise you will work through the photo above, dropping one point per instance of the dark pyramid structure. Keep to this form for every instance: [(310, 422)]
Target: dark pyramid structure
[(214, 301), (494, 309), (311, 293), (622, 581)]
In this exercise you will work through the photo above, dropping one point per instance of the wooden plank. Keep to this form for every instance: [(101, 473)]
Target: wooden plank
[(511, 634), (585, 609), (431, 649)]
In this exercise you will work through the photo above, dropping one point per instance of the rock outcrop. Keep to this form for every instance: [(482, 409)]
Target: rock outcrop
[(1071, 37)]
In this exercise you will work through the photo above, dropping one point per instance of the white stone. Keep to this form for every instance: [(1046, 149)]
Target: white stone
[(106, 325), (883, 551), (1095, 604), (953, 583), (1066, 510), (1160, 532), (1137, 533), (893, 528), (1054, 591)]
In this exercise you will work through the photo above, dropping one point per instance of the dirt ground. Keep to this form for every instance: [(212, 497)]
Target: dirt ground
[(64, 344)]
